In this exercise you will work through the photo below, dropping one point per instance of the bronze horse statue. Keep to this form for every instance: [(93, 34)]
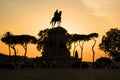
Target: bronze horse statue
[(56, 18)]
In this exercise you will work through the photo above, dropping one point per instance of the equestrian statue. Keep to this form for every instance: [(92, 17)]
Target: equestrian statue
[(56, 18)]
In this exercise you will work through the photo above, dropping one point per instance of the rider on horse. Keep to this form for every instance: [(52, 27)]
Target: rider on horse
[(56, 18)]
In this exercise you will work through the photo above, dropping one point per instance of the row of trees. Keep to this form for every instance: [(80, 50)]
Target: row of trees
[(110, 42), (81, 39), (70, 38), (12, 40)]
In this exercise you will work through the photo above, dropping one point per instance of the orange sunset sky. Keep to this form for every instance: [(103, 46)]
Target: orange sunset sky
[(78, 16)]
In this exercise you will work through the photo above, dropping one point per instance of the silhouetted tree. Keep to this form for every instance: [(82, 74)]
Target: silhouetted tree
[(11, 41), (103, 62), (82, 39), (110, 43), (75, 38), (24, 40), (48, 40), (69, 40), (43, 39), (93, 36), (7, 34)]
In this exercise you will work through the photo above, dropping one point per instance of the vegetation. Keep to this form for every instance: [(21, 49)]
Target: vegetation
[(93, 36), (7, 34), (103, 62), (10, 40), (82, 39), (110, 44), (24, 40), (13, 40), (56, 43), (44, 40), (74, 41)]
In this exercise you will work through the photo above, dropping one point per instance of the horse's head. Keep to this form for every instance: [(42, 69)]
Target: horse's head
[(60, 13)]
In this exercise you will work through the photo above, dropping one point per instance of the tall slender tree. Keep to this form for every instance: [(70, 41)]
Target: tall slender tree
[(75, 38), (82, 39), (11, 41), (93, 36), (7, 34)]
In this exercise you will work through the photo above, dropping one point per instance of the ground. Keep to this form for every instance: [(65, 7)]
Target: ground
[(60, 74)]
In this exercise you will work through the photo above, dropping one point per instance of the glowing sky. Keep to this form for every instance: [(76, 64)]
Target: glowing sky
[(79, 16)]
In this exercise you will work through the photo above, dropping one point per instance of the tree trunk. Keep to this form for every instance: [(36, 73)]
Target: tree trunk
[(9, 50), (93, 49), (81, 46), (13, 47), (25, 48), (15, 51), (25, 51)]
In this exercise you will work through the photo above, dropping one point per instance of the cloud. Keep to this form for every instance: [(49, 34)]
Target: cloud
[(109, 9)]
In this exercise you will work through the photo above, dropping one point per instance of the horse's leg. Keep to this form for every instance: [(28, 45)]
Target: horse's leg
[(54, 23), (58, 23)]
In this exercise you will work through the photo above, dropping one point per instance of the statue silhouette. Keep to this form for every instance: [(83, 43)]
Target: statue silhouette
[(56, 13), (56, 18)]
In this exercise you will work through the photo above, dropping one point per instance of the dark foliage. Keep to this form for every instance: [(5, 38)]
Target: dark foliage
[(110, 43), (103, 62), (44, 40), (13, 40)]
